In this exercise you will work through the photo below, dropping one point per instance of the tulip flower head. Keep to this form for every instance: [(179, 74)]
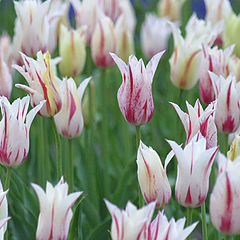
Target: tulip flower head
[(43, 82), (14, 151), (131, 223), (227, 113), (152, 177), (135, 94), (170, 230), (225, 197), (69, 119), (55, 210), (194, 168), (198, 120)]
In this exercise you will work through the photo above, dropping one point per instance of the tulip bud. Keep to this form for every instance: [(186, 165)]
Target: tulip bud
[(227, 114), (155, 33), (135, 94), (170, 9), (194, 168), (103, 41), (234, 151), (225, 197), (125, 38), (152, 177), (55, 210), (72, 51), (69, 119), (14, 151)]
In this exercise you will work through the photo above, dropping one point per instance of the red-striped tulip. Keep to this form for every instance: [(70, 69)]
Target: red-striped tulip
[(152, 177), (69, 120), (55, 210), (214, 60), (198, 120), (43, 82), (14, 151), (225, 198), (227, 111), (194, 168), (131, 223), (135, 94)]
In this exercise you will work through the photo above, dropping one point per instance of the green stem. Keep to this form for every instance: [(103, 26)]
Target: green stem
[(189, 218), (70, 166), (138, 136), (8, 178), (58, 149), (204, 223), (225, 144), (41, 154), (46, 151), (228, 237)]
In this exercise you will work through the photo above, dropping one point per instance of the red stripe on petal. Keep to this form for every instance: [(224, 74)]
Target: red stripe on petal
[(72, 108), (188, 199)]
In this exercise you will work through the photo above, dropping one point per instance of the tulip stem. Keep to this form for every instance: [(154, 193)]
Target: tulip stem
[(70, 166), (204, 223), (58, 149), (8, 177), (41, 153), (189, 218)]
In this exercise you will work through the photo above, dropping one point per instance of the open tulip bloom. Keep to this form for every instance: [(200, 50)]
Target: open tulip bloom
[(194, 168), (135, 94), (14, 150)]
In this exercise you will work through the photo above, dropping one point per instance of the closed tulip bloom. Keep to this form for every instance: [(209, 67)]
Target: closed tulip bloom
[(155, 33), (225, 197), (103, 41), (72, 51), (152, 177), (69, 120), (43, 82), (194, 168), (135, 94), (14, 151), (55, 210), (214, 60), (6, 50), (197, 120), (227, 111), (162, 229), (130, 223)]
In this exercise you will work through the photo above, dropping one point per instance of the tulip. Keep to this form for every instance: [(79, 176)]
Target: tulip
[(135, 94), (216, 61), (152, 177), (111, 8), (6, 50), (225, 197), (234, 67), (198, 120), (186, 58), (227, 111), (125, 38), (155, 33), (43, 82), (72, 51), (172, 230), (14, 151), (234, 151), (55, 210), (103, 41), (130, 223), (170, 9), (194, 167), (69, 119)]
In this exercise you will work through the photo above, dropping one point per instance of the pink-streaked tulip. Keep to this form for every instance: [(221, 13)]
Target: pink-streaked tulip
[(225, 197), (5, 78), (125, 38), (170, 9), (103, 41), (69, 119), (43, 82), (33, 31), (55, 210), (198, 120), (162, 229), (152, 177), (186, 58), (135, 94), (234, 67), (14, 151), (194, 168), (227, 110), (155, 33), (131, 223), (214, 60)]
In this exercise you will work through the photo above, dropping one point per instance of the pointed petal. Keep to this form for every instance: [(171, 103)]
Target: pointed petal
[(82, 88), (120, 63)]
